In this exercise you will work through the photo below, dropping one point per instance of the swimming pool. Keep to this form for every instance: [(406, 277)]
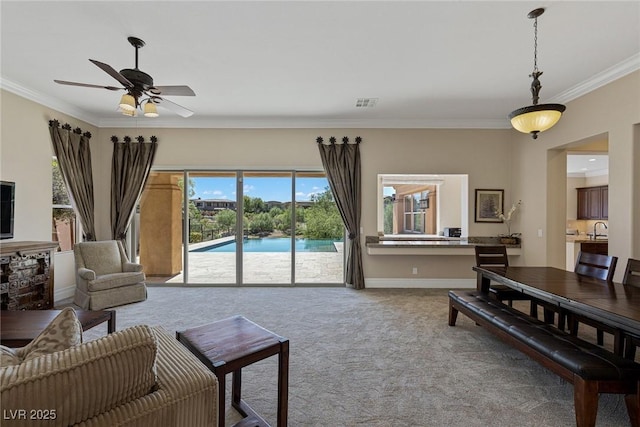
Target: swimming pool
[(273, 244)]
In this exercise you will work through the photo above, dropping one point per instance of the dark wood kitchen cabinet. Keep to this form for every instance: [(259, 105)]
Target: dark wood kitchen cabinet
[(593, 202), (601, 248)]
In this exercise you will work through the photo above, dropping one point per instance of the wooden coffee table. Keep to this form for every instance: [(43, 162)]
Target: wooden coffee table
[(231, 344), (19, 327)]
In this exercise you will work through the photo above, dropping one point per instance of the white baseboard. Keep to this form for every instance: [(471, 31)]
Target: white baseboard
[(64, 293), (420, 283), (69, 291)]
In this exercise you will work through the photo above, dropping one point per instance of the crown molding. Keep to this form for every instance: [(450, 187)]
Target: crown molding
[(47, 101), (588, 174), (301, 123), (599, 172), (607, 76)]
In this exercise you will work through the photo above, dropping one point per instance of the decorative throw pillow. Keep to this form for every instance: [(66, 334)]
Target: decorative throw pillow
[(8, 357), (63, 332)]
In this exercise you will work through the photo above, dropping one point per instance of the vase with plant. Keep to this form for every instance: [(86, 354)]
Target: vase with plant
[(509, 238)]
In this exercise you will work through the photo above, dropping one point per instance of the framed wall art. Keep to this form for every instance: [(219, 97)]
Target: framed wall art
[(488, 203)]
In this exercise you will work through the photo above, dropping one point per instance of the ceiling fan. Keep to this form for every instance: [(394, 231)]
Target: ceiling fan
[(140, 88)]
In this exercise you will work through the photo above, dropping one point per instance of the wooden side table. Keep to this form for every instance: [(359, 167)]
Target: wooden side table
[(231, 344), (19, 327)]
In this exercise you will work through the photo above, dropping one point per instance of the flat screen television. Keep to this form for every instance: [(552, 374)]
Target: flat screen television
[(7, 200)]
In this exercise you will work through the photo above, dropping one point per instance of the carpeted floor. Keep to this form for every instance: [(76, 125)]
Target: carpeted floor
[(377, 358)]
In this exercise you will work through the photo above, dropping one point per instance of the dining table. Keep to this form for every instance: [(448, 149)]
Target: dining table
[(611, 303)]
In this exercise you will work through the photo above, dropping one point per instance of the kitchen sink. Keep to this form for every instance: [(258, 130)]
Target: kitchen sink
[(599, 237)]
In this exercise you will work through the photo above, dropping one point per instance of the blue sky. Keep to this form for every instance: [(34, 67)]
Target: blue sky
[(267, 188)]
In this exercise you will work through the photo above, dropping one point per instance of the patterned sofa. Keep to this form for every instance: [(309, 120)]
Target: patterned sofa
[(140, 376)]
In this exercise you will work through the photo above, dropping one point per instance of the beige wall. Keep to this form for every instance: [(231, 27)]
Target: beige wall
[(613, 110), (25, 158), (492, 158)]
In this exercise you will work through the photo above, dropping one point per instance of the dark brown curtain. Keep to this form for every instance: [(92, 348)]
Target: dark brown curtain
[(129, 172), (342, 165), (73, 151)]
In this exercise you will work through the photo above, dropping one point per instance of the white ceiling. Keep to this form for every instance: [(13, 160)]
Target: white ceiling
[(454, 64), (587, 164)]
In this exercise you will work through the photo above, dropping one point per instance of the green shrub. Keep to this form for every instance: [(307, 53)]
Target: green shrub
[(261, 223)]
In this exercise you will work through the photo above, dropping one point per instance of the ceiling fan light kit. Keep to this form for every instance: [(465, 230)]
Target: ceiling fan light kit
[(150, 109), (127, 103), (138, 85), (536, 118)]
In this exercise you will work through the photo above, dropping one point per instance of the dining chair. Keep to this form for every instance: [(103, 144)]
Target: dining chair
[(632, 278), (632, 273), (596, 265), (496, 256), (600, 267)]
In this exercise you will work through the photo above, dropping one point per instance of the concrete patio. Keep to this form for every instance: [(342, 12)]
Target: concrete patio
[(271, 268)]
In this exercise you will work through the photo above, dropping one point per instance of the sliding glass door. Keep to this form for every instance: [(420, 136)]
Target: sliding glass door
[(241, 228), (267, 230), (320, 231), (213, 212)]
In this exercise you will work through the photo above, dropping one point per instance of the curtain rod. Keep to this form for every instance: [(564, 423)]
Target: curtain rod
[(332, 140), (127, 139), (55, 123)]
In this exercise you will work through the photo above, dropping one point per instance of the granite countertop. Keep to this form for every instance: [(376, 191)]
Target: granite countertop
[(422, 242), (585, 239), (375, 242)]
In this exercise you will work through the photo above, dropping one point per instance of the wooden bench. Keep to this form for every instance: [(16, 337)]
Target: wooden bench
[(591, 369)]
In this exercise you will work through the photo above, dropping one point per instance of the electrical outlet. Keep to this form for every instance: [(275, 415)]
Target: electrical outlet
[(414, 270), (539, 232)]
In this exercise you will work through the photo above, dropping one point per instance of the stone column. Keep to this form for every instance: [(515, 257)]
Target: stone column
[(161, 225)]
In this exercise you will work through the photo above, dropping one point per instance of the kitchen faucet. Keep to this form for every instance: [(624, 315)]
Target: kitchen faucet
[(595, 233)]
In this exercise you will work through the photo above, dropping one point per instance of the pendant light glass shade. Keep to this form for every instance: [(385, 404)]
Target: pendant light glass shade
[(150, 109), (130, 113), (536, 118), (127, 103)]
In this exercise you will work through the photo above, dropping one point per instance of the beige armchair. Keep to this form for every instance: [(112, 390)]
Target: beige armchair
[(105, 277)]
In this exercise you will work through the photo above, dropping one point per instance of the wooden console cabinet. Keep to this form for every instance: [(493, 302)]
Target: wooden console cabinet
[(26, 275)]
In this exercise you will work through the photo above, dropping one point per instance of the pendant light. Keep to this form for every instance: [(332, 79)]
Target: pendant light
[(536, 118)]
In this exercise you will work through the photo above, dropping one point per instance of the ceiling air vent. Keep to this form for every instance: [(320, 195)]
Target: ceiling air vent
[(366, 102)]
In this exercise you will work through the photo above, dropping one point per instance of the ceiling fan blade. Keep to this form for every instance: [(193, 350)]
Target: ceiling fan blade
[(113, 73), (178, 109), (172, 91), (63, 82)]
